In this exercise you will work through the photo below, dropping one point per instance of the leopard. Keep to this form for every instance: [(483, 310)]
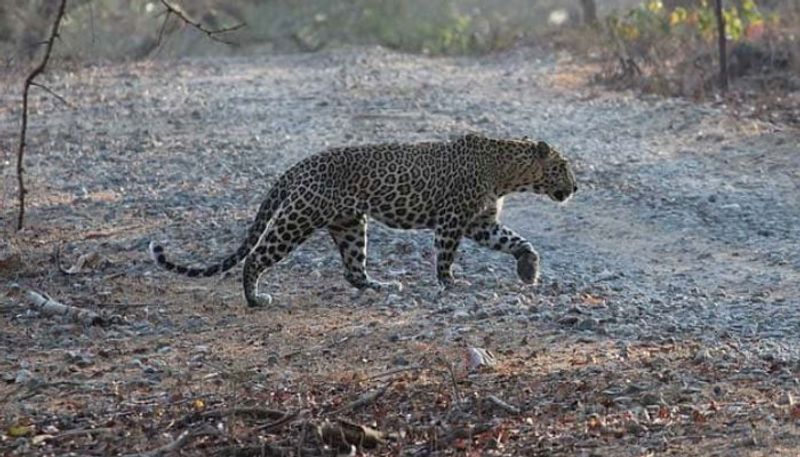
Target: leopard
[(454, 187)]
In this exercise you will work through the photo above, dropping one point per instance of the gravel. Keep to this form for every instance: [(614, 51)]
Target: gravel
[(686, 226)]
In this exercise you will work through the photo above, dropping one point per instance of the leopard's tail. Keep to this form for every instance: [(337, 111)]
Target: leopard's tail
[(262, 222)]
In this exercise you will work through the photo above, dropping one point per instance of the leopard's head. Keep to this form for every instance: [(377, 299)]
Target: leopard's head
[(534, 166), (526, 166), (557, 179)]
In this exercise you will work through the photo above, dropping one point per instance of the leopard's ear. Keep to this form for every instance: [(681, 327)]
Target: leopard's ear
[(542, 150)]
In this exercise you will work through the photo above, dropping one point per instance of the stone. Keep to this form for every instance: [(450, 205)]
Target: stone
[(478, 357), (10, 257), (589, 323), (702, 355), (568, 320), (786, 399)]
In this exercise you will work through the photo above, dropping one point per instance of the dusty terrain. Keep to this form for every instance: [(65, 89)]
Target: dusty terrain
[(666, 321)]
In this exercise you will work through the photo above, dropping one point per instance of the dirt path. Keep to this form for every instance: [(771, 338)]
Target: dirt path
[(666, 321)]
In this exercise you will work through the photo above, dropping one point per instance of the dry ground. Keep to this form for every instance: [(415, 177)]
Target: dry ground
[(666, 322)]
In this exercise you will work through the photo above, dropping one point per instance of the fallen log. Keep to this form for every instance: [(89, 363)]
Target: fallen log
[(50, 307), (344, 433)]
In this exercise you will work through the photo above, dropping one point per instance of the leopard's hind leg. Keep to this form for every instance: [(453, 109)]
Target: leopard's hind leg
[(350, 236), (288, 229)]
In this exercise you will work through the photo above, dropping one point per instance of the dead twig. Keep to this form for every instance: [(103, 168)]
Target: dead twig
[(345, 433), (178, 443), (259, 413), (462, 433), (507, 407), (394, 371), (178, 11), (288, 417), (84, 260), (125, 305), (50, 307), (456, 392), (364, 400), (53, 93), (263, 450), (83, 431), (302, 440), (24, 127)]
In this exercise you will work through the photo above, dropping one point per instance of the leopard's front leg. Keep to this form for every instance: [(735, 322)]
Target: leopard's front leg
[(488, 232), (446, 240)]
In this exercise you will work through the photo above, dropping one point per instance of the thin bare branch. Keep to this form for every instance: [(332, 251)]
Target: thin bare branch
[(364, 400), (178, 11), (162, 29), (83, 431), (173, 446), (24, 127), (504, 405), (54, 94)]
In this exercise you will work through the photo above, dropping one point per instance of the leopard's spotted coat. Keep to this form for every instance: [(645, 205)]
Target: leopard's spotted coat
[(454, 188)]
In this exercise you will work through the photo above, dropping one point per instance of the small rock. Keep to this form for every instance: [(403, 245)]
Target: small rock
[(394, 299), (607, 275), (478, 357), (272, 359), (24, 376), (702, 355), (650, 398), (634, 427), (623, 400), (786, 399), (400, 361), (568, 321), (589, 323), (79, 358), (10, 259)]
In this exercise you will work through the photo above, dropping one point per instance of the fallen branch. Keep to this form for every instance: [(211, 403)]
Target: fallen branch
[(24, 128), (258, 413), (462, 433), (364, 400), (49, 307), (264, 450), (178, 11), (288, 417), (395, 371), (509, 408), (179, 442), (82, 431), (452, 373), (344, 433), (302, 440), (85, 260)]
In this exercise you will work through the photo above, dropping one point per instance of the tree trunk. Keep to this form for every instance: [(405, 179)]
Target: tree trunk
[(723, 57), (6, 34), (589, 12)]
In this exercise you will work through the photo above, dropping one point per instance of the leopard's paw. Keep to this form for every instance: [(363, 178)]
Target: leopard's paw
[(528, 268), (389, 286), (260, 301), (453, 283)]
